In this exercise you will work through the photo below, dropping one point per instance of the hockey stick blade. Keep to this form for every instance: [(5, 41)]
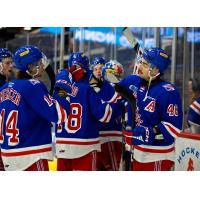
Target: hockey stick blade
[(131, 39)]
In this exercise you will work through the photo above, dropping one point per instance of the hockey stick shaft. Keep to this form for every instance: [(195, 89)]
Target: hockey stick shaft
[(132, 101), (131, 39)]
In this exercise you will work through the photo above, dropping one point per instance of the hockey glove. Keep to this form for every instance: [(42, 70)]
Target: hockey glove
[(63, 87), (139, 135), (77, 72)]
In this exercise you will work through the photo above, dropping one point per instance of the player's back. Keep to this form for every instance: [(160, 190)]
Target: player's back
[(80, 135), (24, 131)]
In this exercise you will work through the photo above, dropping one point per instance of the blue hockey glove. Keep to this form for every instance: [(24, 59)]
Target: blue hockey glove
[(139, 135), (64, 86), (143, 135)]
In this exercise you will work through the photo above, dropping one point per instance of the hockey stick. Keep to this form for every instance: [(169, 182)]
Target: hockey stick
[(51, 74), (132, 101), (131, 39)]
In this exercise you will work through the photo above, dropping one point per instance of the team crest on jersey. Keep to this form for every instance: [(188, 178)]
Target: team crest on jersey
[(169, 87), (150, 107), (133, 88), (10, 84), (34, 82), (74, 91)]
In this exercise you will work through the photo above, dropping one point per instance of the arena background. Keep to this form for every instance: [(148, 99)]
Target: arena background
[(182, 44)]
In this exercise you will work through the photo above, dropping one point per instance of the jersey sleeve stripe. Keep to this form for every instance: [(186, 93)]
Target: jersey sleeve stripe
[(107, 114), (61, 113), (196, 107), (115, 97), (174, 132)]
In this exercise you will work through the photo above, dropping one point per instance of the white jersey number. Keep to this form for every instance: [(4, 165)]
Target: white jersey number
[(74, 120)]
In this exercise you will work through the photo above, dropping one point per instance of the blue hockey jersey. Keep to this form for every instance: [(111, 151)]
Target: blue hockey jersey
[(111, 131), (194, 116), (27, 111), (161, 110), (79, 135)]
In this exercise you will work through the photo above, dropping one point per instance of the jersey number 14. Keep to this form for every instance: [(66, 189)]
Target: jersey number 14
[(10, 129)]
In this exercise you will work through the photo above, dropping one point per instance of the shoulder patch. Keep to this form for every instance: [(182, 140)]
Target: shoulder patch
[(133, 88), (33, 81), (169, 87)]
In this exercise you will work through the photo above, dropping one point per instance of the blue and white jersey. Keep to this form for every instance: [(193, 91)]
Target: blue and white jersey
[(27, 111), (194, 116), (79, 135), (161, 108), (111, 131)]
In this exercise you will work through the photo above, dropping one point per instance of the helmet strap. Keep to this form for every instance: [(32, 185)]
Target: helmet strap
[(33, 75), (150, 80)]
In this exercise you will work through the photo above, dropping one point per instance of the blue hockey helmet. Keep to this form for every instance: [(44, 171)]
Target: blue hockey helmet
[(98, 60), (79, 59), (157, 58), (25, 56), (4, 53)]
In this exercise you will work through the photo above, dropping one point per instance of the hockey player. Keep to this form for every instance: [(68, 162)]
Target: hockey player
[(6, 65), (110, 133), (158, 113), (77, 140), (194, 109), (6, 69), (26, 113)]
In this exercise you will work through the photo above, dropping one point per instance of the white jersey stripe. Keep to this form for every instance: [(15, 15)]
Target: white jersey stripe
[(107, 114), (196, 107), (174, 132), (115, 97)]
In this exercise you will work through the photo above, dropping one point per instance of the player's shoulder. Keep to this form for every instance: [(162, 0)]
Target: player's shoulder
[(31, 84), (131, 80), (167, 86)]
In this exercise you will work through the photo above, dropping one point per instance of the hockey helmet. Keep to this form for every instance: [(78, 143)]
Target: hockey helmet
[(4, 53), (25, 56), (98, 60), (156, 57), (79, 59)]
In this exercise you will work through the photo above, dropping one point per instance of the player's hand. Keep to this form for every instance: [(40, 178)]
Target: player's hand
[(62, 93)]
